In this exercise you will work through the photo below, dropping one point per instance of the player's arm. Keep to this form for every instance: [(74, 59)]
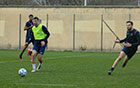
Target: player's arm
[(46, 38), (123, 40), (46, 32), (28, 26), (120, 41)]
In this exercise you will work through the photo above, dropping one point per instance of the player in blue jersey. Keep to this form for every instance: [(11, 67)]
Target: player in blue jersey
[(130, 43), (29, 39)]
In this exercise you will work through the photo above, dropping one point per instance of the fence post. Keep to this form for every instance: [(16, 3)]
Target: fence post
[(138, 2), (102, 32), (73, 31), (19, 31), (129, 17), (85, 2), (47, 16)]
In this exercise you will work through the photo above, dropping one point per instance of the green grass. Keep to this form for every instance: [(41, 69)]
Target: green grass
[(69, 70)]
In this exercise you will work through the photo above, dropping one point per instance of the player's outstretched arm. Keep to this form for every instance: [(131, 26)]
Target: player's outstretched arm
[(123, 40), (117, 41)]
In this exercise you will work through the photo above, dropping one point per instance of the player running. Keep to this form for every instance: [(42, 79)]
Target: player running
[(41, 35), (29, 49), (130, 43), (29, 38)]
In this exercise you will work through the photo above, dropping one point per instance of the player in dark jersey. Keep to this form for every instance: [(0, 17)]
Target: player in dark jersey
[(29, 39), (130, 43)]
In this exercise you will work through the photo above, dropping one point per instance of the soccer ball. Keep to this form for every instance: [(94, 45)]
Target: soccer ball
[(22, 72)]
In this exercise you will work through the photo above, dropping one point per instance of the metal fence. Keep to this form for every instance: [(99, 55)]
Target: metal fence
[(69, 2)]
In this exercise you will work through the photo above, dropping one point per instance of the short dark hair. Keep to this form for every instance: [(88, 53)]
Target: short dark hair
[(31, 15), (36, 18), (129, 22)]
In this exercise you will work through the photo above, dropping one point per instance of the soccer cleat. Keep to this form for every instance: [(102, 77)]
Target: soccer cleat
[(38, 68), (109, 72), (20, 56), (33, 71), (29, 53)]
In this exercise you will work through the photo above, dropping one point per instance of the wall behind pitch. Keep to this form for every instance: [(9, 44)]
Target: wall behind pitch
[(70, 28)]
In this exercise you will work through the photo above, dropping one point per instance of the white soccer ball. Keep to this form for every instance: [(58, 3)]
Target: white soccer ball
[(22, 72)]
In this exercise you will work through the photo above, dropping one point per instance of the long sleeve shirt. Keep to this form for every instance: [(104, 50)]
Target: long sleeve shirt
[(132, 37)]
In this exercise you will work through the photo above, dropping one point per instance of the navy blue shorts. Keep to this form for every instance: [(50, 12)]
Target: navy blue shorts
[(129, 51), (40, 49), (29, 40)]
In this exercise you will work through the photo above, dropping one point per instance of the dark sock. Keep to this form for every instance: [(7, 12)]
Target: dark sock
[(21, 54), (112, 69), (123, 64), (30, 52)]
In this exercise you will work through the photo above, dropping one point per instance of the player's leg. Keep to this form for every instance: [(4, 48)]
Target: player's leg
[(116, 62), (27, 42), (41, 52), (40, 61), (129, 56), (125, 62), (25, 46), (118, 59), (29, 52), (34, 53)]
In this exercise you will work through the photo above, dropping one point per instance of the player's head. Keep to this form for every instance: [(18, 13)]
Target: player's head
[(36, 21), (31, 17), (129, 25)]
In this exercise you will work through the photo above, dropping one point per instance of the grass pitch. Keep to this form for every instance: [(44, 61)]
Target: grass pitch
[(69, 70)]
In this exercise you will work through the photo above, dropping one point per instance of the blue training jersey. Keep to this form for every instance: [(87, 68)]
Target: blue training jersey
[(132, 37), (28, 24)]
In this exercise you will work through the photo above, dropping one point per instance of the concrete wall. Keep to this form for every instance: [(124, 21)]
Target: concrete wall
[(61, 23)]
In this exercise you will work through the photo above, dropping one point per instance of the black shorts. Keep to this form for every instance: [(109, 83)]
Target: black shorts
[(129, 51), (29, 40), (40, 49)]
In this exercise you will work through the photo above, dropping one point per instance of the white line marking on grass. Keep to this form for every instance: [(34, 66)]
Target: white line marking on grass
[(14, 61), (2, 62), (55, 57), (56, 85), (61, 57)]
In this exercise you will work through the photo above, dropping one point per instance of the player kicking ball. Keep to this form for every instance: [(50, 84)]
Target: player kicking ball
[(41, 35), (29, 49), (130, 43)]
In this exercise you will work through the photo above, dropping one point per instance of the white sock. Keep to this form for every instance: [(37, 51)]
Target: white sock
[(34, 66), (40, 64), (31, 50)]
